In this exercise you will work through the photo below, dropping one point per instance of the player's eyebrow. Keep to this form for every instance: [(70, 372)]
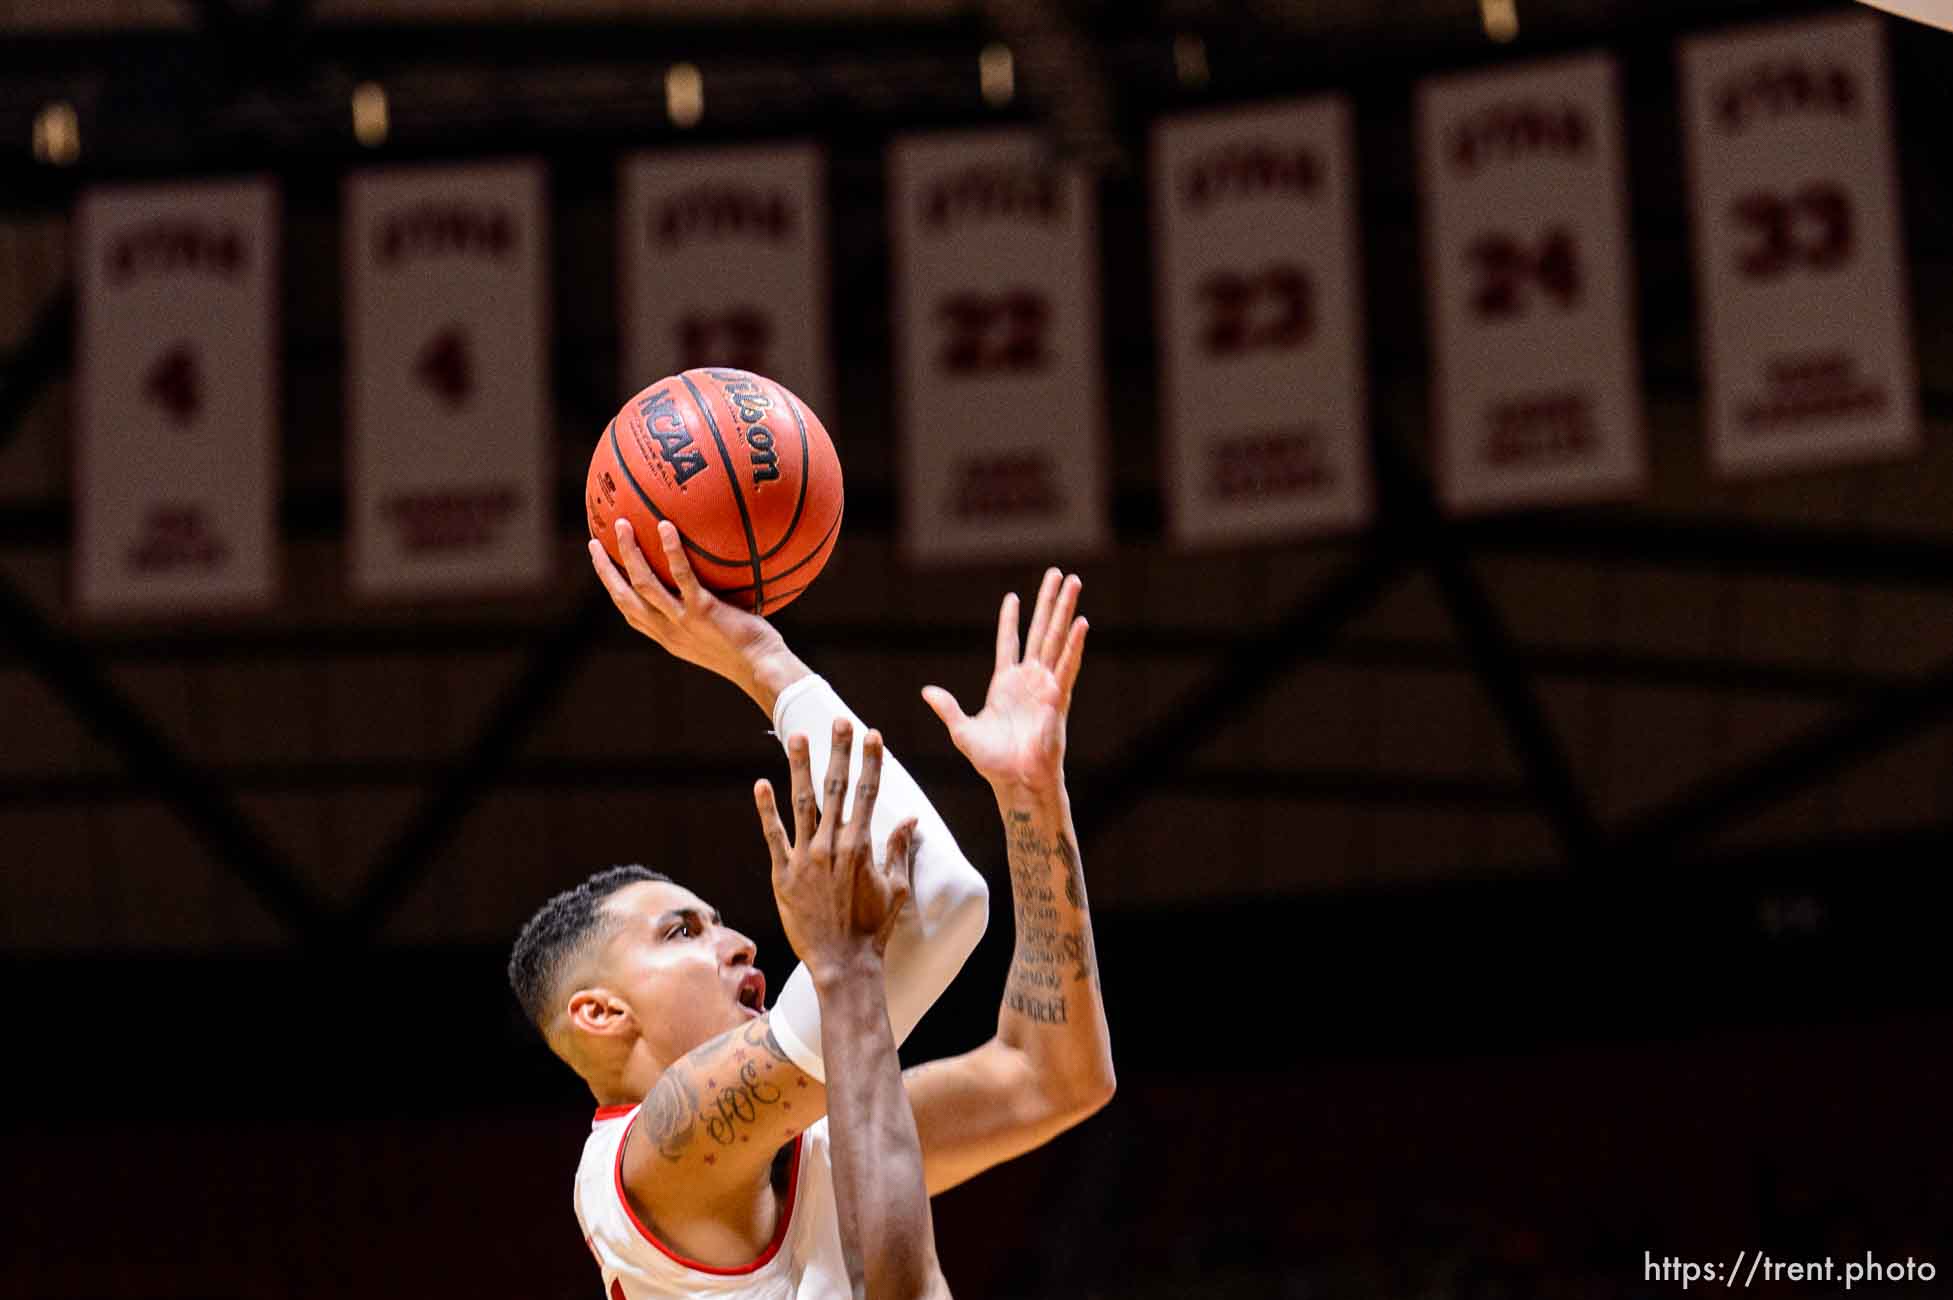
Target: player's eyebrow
[(682, 913)]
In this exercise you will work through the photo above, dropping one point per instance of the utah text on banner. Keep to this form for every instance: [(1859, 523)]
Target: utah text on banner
[(176, 467), (1525, 236), (447, 378), (1261, 332), (724, 257), (996, 326), (1805, 342)]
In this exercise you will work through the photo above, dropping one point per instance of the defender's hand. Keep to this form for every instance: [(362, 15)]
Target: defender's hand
[(1017, 741), (692, 623), (837, 906)]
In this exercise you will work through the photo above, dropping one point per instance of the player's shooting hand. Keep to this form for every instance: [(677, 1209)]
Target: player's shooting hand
[(691, 622), (1017, 741), (837, 905)]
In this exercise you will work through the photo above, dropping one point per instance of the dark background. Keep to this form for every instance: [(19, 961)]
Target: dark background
[(1480, 904)]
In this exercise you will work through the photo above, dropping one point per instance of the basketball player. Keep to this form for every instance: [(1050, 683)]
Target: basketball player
[(707, 1171), (838, 907)]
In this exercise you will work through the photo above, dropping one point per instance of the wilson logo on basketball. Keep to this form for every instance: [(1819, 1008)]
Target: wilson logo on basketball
[(1773, 89), (1508, 132), (750, 404), (1251, 171)]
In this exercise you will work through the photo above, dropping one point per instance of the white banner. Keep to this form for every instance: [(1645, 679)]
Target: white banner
[(176, 360), (1535, 393), (1259, 297), (447, 382), (1806, 349), (997, 349), (724, 258)]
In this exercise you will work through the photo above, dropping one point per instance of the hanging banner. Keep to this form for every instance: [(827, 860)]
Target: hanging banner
[(997, 349), (447, 371), (1806, 347), (724, 257), (1259, 295), (1535, 392), (176, 365)]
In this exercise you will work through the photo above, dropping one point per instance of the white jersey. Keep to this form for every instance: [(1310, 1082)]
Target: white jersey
[(802, 1262)]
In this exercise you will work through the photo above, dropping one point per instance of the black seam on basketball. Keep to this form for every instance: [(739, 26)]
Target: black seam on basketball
[(732, 481), (780, 598), (617, 454), (796, 566), (800, 504)]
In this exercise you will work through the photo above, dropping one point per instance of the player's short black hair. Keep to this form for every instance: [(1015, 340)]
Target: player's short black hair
[(558, 929)]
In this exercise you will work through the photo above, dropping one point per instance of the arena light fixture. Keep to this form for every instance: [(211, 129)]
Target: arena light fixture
[(1190, 60), (57, 134), (997, 74), (684, 95), (1501, 19), (370, 114)]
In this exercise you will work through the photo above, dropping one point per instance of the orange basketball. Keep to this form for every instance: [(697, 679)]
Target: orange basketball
[(743, 469)]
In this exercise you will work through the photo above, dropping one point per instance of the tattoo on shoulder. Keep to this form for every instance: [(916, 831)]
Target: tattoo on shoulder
[(671, 1115)]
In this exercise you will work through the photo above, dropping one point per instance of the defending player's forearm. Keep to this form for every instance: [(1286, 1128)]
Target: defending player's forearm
[(880, 1198), (1052, 1011), (951, 904)]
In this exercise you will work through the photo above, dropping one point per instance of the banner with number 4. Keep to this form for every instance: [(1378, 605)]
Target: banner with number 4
[(1261, 335), (1805, 340), (1525, 233), (997, 349), (447, 378), (176, 357)]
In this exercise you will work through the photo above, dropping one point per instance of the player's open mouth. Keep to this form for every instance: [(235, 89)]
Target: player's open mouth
[(752, 993)]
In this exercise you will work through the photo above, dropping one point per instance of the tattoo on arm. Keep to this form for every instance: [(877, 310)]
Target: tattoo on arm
[(735, 1066), (1054, 941)]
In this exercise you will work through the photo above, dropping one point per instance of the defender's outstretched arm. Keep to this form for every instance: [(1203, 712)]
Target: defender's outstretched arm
[(839, 909)]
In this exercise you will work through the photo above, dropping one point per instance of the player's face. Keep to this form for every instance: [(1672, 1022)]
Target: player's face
[(686, 975)]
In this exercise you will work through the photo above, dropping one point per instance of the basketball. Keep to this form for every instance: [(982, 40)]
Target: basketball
[(739, 465)]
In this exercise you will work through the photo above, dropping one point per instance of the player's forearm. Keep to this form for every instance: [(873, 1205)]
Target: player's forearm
[(880, 1197), (1052, 1011), (771, 673)]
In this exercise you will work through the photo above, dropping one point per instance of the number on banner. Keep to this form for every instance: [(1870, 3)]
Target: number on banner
[(1506, 265), (994, 332), (175, 383), (738, 337), (1811, 228), (1273, 308), (446, 366)]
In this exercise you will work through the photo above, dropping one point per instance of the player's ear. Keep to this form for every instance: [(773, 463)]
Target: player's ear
[(598, 1011)]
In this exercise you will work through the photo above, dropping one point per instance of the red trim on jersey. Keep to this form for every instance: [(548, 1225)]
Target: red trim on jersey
[(766, 1256), (612, 1112)]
